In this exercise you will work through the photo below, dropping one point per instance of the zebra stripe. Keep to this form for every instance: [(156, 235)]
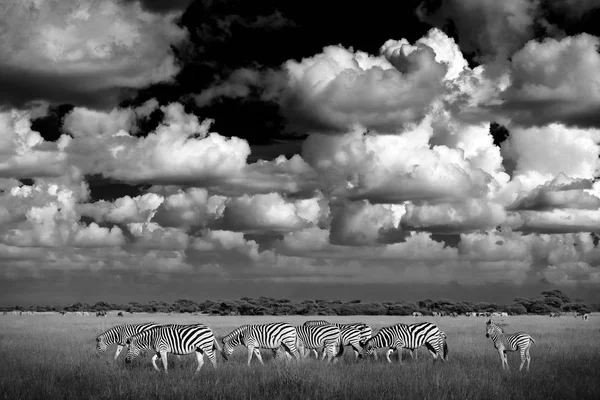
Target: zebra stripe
[(352, 337), (119, 335), (504, 342), (176, 339), (264, 336), (410, 337), (317, 337)]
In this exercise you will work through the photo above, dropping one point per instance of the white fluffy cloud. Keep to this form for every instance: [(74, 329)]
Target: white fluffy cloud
[(393, 168), (24, 153), (339, 88), (84, 52), (569, 92)]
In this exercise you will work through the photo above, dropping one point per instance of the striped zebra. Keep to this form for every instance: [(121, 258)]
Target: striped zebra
[(417, 314), (176, 339), (504, 342), (318, 337), (264, 336), (365, 332), (26, 312), (585, 317), (349, 337), (409, 337), (119, 335)]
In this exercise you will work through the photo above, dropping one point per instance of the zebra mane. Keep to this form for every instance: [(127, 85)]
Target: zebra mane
[(236, 333), (494, 325)]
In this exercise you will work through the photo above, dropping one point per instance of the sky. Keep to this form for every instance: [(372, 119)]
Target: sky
[(160, 150)]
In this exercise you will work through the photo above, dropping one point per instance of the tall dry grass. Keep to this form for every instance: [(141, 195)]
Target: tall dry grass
[(52, 357)]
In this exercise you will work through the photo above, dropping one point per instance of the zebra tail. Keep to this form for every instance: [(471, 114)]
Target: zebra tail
[(216, 345), (446, 350), (340, 351), (533, 341)]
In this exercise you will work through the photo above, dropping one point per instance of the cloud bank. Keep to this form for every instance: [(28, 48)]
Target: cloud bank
[(398, 153)]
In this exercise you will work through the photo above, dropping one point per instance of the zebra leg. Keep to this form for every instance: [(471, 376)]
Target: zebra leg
[(290, 347), (250, 353), (258, 355), (387, 355), (330, 350), (154, 357), (523, 358), (163, 356), (200, 358), (212, 357), (119, 350), (375, 354), (528, 359)]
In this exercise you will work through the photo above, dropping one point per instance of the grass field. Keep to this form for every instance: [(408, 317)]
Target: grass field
[(52, 357)]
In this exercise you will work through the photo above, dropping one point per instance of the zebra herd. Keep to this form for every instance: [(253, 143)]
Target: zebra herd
[(283, 339)]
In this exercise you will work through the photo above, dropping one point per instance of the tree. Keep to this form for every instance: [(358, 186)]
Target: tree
[(556, 293), (517, 309)]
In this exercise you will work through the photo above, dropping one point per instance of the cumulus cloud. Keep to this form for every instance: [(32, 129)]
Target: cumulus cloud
[(392, 168), (470, 215), (24, 153), (83, 52), (123, 210), (338, 88), (569, 92), (561, 192), (271, 212)]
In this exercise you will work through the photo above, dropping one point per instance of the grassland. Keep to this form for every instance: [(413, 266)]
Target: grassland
[(52, 357)]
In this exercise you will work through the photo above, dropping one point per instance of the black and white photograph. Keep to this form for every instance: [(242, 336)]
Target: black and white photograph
[(227, 199)]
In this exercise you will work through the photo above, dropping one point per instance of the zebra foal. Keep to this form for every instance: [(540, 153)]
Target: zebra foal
[(119, 335), (314, 337), (264, 336), (175, 339), (504, 342)]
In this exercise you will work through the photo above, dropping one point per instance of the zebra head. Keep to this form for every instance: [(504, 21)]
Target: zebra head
[(367, 347), (232, 340), (228, 347), (491, 329), (101, 344), (133, 349)]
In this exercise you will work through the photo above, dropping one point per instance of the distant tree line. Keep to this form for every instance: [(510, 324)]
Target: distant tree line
[(549, 301)]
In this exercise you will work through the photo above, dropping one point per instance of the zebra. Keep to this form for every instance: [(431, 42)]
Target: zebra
[(120, 314), (436, 314), (410, 337), (365, 333), (119, 335), (417, 314), (266, 336), (101, 314), (585, 317), (504, 342), (26, 312), (319, 336), (176, 339)]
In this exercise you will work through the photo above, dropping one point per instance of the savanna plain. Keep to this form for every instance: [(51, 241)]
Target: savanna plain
[(53, 357)]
